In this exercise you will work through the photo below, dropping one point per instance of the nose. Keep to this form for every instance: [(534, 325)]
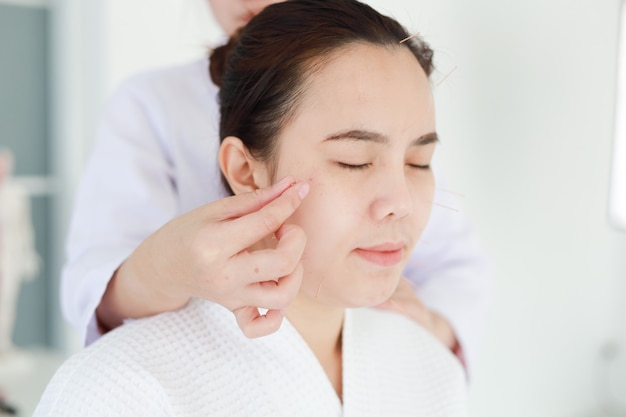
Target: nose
[(393, 199)]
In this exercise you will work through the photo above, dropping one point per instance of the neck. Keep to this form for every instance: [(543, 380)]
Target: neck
[(320, 326)]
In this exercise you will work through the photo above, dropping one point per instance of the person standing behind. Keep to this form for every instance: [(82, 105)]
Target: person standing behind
[(150, 234)]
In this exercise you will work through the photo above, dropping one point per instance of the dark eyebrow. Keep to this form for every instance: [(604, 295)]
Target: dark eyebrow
[(426, 139), (356, 134), (366, 135)]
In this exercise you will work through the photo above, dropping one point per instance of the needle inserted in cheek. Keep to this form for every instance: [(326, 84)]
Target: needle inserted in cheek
[(447, 207), (452, 192), (435, 204)]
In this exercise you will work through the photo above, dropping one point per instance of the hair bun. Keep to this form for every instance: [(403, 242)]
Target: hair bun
[(219, 59)]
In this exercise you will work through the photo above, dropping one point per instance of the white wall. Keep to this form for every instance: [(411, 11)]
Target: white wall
[(526, 127), (529, 124), (526, 124)]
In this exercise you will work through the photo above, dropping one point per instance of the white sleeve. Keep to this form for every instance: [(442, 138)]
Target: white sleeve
[(452, 273), (126, 193)]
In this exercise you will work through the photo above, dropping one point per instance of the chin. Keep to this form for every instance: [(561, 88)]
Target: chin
[(374, 294), (361, 287)]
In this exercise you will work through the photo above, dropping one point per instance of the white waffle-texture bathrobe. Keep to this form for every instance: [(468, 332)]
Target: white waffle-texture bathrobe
[(196, 362)]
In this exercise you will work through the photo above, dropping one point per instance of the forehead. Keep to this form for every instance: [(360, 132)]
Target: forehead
[(383, 89)]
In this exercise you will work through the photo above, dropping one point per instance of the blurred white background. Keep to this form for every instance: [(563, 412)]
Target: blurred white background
[(526, 123)]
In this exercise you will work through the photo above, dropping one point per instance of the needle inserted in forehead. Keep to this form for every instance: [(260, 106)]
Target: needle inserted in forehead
[(447, 75), (410, 37)]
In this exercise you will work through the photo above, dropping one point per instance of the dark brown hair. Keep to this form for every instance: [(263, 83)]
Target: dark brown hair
[(263, 69)]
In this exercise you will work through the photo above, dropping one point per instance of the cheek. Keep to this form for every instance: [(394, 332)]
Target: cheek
[(423, 203), (326, 215), (318, 210)]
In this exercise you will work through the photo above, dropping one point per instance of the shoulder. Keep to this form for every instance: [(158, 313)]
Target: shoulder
[(414, 368), (153, 366), (173, 86), (410, 343), (102, 380), (176, 102), (191, 72)]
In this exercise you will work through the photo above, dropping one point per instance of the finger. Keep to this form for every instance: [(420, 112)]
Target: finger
[(253, 324), (271, 264), (242, 204), (253, 227), (274, 294)]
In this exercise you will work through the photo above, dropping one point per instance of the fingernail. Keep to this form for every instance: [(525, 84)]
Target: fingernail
[(303, 189)]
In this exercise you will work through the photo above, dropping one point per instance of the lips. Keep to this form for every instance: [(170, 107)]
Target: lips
[(387, 254)]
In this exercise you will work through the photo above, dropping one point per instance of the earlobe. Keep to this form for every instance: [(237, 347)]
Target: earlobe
[(237, 165)]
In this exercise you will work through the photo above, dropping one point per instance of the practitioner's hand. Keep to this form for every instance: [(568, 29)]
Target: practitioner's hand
[(204, 254), (405, 301)]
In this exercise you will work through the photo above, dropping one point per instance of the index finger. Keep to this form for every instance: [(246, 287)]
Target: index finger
[(253, 227), (246, 203)]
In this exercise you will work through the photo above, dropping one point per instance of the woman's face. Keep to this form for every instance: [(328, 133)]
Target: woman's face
[(363, 137), (233, 14)]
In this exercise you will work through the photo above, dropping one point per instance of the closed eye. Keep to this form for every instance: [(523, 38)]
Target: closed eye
[(353, 167), (424, 167)]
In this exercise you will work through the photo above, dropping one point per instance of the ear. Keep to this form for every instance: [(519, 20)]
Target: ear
[(242, 171)]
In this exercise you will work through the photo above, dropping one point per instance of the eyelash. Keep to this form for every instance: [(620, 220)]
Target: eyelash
[(423, 167), (363, 166)]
